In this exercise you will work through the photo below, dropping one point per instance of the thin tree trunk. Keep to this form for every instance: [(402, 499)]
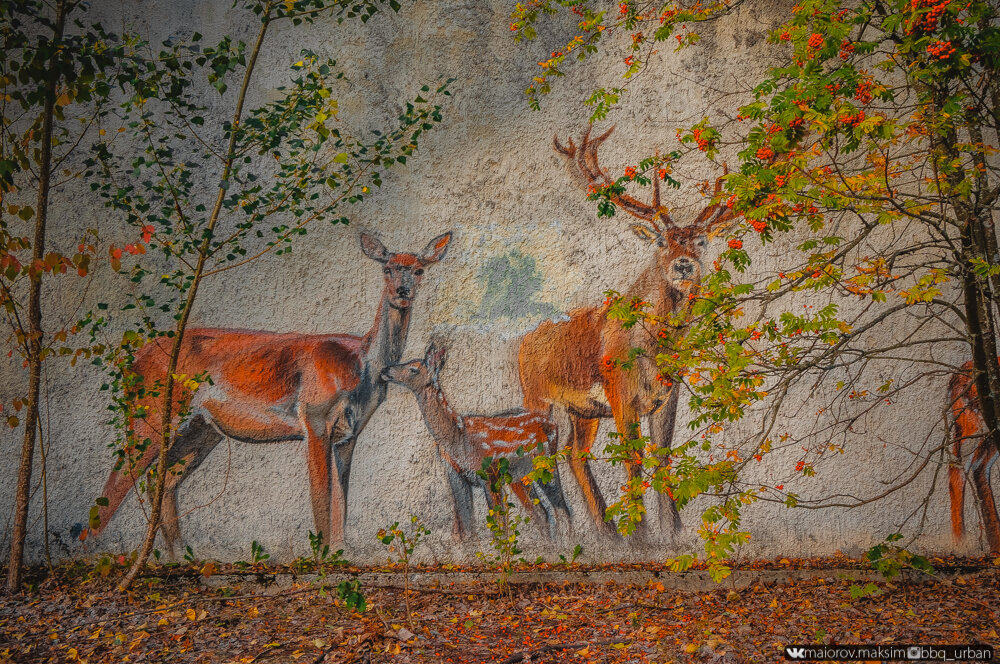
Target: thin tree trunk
[(166, 422), (33, 342)]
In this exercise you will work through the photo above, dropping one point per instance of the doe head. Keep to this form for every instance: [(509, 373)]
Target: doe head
[(403, 272)]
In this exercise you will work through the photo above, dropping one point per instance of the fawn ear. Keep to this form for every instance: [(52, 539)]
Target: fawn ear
[(374, 249), (436, 249), (645, 232), (435, 359)]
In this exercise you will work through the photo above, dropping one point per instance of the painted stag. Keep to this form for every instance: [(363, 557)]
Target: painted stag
[(465, 441), (974, 454), (561, 363), (271, 387)]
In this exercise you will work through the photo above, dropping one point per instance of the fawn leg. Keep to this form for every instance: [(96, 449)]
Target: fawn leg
[(461, 500)]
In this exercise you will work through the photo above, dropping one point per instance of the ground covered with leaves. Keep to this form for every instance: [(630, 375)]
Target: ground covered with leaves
[(183, 619)]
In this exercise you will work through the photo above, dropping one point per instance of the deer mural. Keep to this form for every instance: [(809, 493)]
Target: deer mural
[(465, 441), (974, 455), (561, 363), (271, 387)]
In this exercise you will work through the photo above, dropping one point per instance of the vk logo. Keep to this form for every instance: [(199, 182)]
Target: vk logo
[(795, 653)]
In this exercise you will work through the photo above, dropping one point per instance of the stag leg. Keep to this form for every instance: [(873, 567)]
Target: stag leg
[(192, 447), (618, 392), (461, 500), (583, 432), (982, 463), (661, 431)]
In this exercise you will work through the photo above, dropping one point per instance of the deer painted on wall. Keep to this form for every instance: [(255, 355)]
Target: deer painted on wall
[(270, 388), (974, 455), (561, 363), (465, 441)]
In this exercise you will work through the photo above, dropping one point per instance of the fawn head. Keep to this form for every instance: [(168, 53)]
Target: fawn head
[(403, 272), (418, 374)]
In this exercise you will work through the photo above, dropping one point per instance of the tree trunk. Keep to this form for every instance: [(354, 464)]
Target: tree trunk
[(33, 340)]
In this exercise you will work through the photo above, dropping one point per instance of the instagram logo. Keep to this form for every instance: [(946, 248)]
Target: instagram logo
[(913, 652)]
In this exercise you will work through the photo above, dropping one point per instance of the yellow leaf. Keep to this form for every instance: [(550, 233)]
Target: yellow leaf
[(774, 603), (253, 612), (72, 654), (690, 648), (163, 621), (96, 634), (191, 614)]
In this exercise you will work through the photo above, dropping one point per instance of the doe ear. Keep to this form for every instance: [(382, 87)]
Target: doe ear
[(373, 248), (645, 232), (436, 249)]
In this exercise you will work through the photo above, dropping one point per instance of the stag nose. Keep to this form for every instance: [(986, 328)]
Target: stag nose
[(684, 267), (402, 291)]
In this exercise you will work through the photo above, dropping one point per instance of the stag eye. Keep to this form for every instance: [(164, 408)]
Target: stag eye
[(419, 271), (413, 370), (386, 270)]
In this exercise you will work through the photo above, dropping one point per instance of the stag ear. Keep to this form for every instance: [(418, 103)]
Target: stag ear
[(645, 232), (436, 249), (374, 249)]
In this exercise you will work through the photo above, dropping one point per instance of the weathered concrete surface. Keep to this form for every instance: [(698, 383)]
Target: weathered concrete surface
[(526, 247)]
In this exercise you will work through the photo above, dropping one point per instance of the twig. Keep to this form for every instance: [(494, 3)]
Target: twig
[(532, 654)]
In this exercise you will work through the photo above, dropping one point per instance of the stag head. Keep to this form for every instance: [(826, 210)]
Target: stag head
[(679, 248)]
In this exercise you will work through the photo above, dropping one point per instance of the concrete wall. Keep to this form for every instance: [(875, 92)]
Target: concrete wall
[(525, 248)]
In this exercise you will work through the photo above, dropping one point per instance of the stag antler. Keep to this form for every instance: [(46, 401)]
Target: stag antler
[(585, 158), (717, 213)]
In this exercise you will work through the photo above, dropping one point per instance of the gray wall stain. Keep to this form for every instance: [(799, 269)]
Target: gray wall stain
[(512, 283)]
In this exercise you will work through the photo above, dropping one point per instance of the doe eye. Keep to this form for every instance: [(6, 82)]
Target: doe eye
[(413, 370), (418, 271), (386, 270)]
